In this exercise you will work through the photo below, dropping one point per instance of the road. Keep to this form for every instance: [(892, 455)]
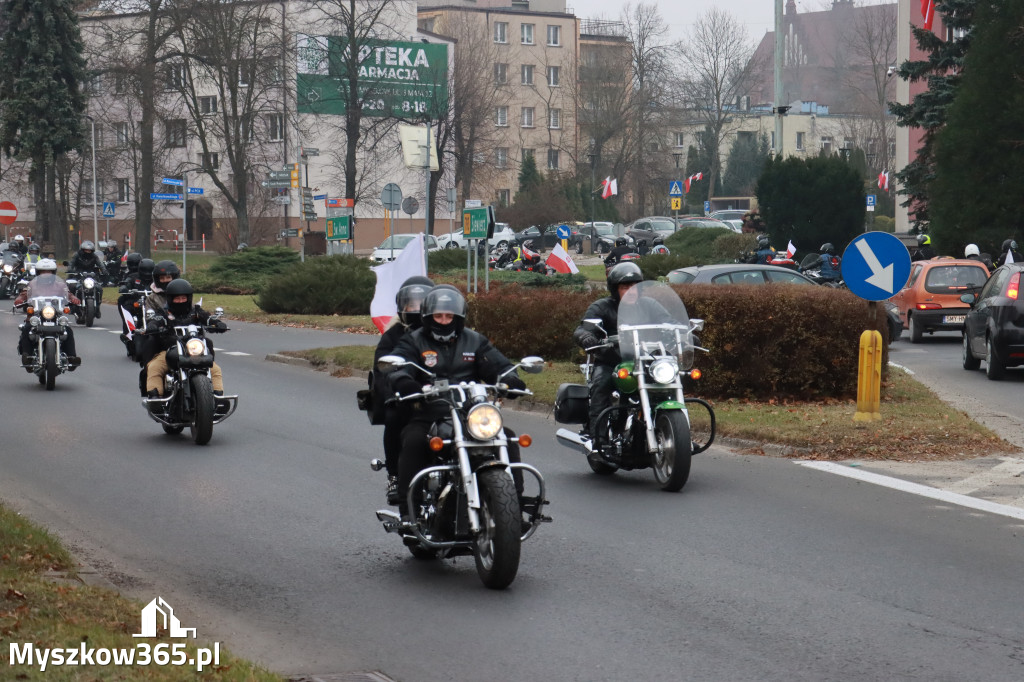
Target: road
[(760, 569)]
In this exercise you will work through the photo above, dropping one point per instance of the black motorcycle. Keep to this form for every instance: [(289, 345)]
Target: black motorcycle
[(11, 269), (113, 272), (88, 287), (48, 330)]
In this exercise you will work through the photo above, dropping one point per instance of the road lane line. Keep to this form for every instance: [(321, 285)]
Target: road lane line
[(917, 489), (1010, 468)]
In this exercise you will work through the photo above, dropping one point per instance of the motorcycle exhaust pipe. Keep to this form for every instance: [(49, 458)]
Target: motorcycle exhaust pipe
[(573, 440)]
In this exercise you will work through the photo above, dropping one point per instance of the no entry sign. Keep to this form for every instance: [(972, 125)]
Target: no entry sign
[(8, 212)]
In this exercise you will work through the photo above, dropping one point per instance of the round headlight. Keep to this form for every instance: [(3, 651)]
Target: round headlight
[(483, 421), (195, 347), (664, 371), (62, 321), (49, 312), (89, 282), (8, 269), (34, 321)]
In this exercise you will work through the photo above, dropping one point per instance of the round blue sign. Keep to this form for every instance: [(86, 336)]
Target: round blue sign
[(562, 231), (875, 266)]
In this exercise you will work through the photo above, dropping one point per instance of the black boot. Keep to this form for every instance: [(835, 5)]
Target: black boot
[(27, 358), (74, 362), (153, 393)]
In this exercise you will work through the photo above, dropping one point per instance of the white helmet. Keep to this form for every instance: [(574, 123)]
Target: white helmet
[(19, 238), (46, 265), (971, 250), (101, 245)]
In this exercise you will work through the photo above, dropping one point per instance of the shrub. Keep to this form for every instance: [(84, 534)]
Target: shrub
[(244, 272), (697, 242), (326, 285), (884, 223), (655, 265), (450, 259)]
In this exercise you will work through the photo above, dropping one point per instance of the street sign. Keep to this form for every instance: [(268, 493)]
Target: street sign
[(319, 197), (451, 199), (290, 232), (410, 205), (108, 209), (310, 151), (276, 184), (345, 203), (474, 203), (675, 188), (8, 212), (338, 227), (195, 190), (562, 231), (282, 200), (871, 202), (707, 208), (308, 216), (391, 197), (474, 223), (172, 181), (307, 192), (875, 266), (165, 197), (280, 174), (677, 203)]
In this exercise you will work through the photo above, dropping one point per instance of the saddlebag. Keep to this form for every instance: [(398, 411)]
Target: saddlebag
[(572, 404)]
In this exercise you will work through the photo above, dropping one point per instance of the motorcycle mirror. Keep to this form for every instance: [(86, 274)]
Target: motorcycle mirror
[(532, 364), (389, 363), (593, 323), (150, 314), (696, 325), (64, 263), (218, 311)]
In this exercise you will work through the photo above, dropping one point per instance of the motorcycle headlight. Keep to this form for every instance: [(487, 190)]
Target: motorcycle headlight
[(62, 321), (664, 371), (32, 271), (483, 421), (49, 312), (195, 347), (34, 321), (8, 269), (89, 282)]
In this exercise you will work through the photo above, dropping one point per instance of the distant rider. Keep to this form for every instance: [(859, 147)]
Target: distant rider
[(830, 262), (924, 248), (972, 252), (620, 249), (1009, 247), (765, 254), (33, 256), (46, 283), (658, 246)]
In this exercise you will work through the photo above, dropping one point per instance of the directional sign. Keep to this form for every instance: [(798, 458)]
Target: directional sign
[(474, 223), (172, 181), (675, 188), (338, 228), (8, 212), (195, 190), (280, 174), (707, 208), (276, 184), (319, 197), (165, 197), (108, 209), (310, 151), (562, 231), (290, 232), (875, 266)]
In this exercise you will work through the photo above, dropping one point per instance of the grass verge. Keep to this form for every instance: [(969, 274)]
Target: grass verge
[(42, 603), (915, 426)]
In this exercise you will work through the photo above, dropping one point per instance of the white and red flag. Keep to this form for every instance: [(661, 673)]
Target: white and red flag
[(928, 12), (609, 187), (790, 250), (883, 181), (560, 261), (693, 178), (129, 321), (390, 276)]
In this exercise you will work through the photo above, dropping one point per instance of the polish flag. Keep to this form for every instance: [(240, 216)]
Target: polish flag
[(609, 187), (560, 261), (928, 12), (390, 277), (790, 250), (128, 320), (1009, 256), (883, 181), (693, 178)]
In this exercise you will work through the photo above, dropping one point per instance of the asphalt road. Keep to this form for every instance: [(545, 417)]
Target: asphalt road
[(266, 539)]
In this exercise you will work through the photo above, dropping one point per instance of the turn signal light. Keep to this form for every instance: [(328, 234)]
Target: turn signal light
[(623, 373), (30, 310), (1013, 288), (136, 304), (525, 440), (67, 310), (696, 374), (436, 444)]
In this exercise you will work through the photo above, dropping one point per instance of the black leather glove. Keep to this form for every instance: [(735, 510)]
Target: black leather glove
[(218, 326), (589, 340), (406, 385), (512, 381)]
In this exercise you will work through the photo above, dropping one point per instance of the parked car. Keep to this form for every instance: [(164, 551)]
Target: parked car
[(736, 273), (706, 222), (649, 228), (930, 300), (498, 243), (547, 237), (604, 233), (994, 325), (393, 245)]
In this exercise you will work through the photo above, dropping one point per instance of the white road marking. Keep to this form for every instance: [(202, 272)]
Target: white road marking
[(917, 489), (1010, 468), (905, 369), (231, 352)]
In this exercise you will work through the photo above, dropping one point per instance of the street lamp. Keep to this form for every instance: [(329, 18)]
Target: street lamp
[(95, 216)]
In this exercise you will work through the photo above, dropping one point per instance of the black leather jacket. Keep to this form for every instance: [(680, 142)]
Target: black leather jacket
[(607, 310), (617, 253), (84, 263)]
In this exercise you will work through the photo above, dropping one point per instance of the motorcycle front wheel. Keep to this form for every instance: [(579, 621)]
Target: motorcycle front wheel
[(498, 542), (90, 311), (671, 463), (50, 363), (202, 417)]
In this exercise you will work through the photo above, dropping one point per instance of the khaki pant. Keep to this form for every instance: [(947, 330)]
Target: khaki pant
[(157, 368)]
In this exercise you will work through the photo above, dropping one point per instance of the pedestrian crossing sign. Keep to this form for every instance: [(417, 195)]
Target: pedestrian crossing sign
[(108, 209), (675, 188)]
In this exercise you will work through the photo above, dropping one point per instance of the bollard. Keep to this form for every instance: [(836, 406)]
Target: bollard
[(869, 377)]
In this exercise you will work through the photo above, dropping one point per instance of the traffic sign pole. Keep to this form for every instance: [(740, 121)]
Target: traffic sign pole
[(184, 219)]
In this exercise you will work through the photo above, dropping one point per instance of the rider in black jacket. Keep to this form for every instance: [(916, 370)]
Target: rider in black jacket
[(621, 248), (87, 260), (446, 348)]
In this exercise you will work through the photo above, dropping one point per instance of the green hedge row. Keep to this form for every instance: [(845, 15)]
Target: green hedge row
[(244, 272), (325, 285)]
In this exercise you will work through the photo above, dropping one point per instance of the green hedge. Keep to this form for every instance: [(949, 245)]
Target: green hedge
[(244, 272), (535, 321), (325, 285)]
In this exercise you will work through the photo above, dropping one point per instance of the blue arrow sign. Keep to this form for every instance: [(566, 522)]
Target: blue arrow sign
[(675, 188), (319, 197), (875, 266), (562, 231), (172, 181), (167, 197), (108, 209), (195, 190)]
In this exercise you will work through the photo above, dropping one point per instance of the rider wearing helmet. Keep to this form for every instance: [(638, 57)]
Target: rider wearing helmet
[(620, 279), (924, 248), (160, 336), (658, 246), (621, 248), (46, 283), (765, 253), (444, 347), (18, 244), (111, 253), (972, 252), (1009, 247), (131, 264), (34, 254), (164, 273), (829, 268), (87, 260)]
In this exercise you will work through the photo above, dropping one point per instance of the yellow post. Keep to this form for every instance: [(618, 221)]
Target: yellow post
[(565, 245), (869, 378)]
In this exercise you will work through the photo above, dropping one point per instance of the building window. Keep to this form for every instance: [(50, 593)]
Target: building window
[(800, 141), (121, 134), (501, 73), (526, 151), (123, 190), (208, 104), (526, 33), (527, 118), (120, 84), (826, 144), (501, 31), (501, 116), (94, 86), (527, 74), (210, 161), (504, 197), (175, 76), (501, 157), (275, 123), (552, 159), (680, 140), (554, 76), (176, 132), (246, 71), (892, 148), (554, 36), (848, 143), (554, 118)]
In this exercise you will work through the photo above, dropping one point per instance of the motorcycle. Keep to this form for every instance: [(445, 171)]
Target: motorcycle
[(88, 287), (113, 274), (188, 396), (648, 424), (11, 268), (48, 329), (466, 504), (810, 267)]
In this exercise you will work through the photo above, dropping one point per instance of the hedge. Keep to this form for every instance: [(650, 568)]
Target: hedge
[(325, 285), (246, 271)]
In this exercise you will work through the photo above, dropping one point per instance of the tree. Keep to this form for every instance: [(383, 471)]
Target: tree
[(979, 168), (529, 177), (41, 100), (811, 201), (747, 158), (928, 110)]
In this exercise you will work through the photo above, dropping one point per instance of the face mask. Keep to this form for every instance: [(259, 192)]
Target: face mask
[(444, 332)]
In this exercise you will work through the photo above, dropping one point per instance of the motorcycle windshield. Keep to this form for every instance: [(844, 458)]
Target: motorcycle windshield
[(11, 258), (653, 323), (47, 284)]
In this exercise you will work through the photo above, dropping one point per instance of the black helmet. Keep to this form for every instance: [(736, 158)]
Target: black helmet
[(923, 239), (1009, 245), (763, 242), (657, 241), (623, 273), (828, 248), (132, 260), (33, 248), (444, 298), (179, 287), (164, 267), (87, 247), (621, 241), (146, 267), (411, 295)]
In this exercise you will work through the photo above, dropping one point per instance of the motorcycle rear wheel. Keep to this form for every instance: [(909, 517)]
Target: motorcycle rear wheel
[(202, 418), (50, 363), (90, 311), (672, 464), (497, 546)]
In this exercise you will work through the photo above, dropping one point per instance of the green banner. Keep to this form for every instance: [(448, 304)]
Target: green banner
[(338, 228), (396, 78)]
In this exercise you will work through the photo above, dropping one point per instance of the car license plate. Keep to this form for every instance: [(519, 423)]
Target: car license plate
[(954, 319)]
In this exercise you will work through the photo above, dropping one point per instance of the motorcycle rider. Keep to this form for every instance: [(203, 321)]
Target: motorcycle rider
[(620, 249), (765, 253), (18, 244), (87, 260), (658, 246), (164, 273), (46, 283), (829, 268), (924, 248), (445, 347), (972, 252), (33, 256), (112, 255), (409, 300), (131, 264), (620, 279), (1009, 247)]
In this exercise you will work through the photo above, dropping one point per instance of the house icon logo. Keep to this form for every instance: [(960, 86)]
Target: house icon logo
[(158, 613)]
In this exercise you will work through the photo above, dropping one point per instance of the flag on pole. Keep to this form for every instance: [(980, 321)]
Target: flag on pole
[(609, 187), (129, 321), (390, 276), (790, 250), (693, 178), (883, 181), (928, 12), (560, 261)]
